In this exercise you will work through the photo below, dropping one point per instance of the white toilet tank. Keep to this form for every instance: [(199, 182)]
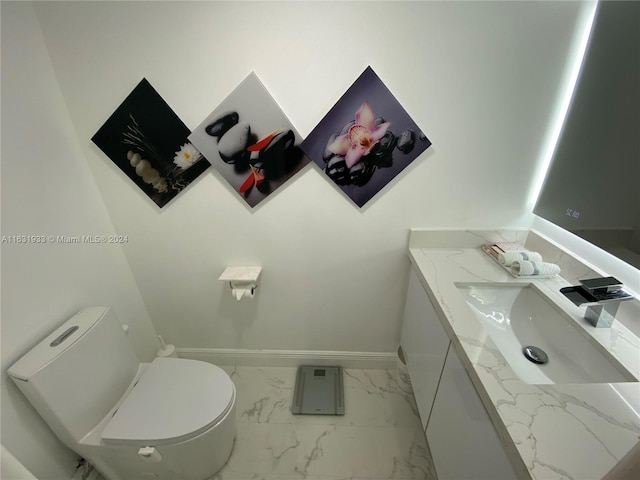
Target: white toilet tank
[(79, 372)]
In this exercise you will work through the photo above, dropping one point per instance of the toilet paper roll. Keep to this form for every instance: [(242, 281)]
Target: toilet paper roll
[(243, 292)]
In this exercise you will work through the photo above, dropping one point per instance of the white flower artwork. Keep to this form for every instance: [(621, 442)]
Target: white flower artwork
[(187, 156), (148, 142)]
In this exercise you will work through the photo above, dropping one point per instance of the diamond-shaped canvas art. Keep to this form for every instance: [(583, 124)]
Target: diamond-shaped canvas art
[(250, 141), (365, 140), (148, 142)]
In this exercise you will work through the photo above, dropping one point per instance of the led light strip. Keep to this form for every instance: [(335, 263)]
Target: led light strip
[(581, 41)]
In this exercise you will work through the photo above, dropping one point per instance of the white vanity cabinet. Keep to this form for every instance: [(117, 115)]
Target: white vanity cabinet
[(461, 436), (425, 345), (463, 442)]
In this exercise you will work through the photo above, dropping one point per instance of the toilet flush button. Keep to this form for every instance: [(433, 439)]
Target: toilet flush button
[(150, 454)]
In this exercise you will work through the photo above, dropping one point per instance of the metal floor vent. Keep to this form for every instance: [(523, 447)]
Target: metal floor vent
[(318, 391)]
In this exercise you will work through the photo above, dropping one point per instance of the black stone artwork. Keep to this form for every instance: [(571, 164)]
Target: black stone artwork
[(250, 141), (359, 151)]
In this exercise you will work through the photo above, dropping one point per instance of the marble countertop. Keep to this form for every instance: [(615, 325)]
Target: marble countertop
[(573, 431)]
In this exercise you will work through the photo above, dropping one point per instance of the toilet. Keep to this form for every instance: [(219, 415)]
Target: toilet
[(171, 419)]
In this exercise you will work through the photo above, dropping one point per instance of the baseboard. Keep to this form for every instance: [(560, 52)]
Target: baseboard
[(291, 358)]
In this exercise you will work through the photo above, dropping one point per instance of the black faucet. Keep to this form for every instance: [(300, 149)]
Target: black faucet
[(602, 296)]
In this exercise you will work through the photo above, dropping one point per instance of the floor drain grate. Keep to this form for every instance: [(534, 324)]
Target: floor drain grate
[(318, 391)]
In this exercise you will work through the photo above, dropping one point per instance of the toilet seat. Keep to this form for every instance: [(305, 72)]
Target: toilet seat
[(174, 400)]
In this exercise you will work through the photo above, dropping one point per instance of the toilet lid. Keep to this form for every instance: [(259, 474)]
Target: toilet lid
[(175, 399)]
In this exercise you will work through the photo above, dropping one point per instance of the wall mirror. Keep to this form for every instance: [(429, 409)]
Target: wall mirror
[(592, 188)]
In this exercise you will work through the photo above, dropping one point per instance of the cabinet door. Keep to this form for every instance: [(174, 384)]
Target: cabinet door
[(461, 436), (425, 345)]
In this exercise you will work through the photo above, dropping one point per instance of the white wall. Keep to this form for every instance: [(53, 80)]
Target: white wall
[(48, 189), (479, 78)]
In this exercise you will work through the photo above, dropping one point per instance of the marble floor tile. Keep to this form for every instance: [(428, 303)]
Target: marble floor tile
[(372, 398), (257, 476), (263, 394), (363, 452), (379, 437), (329, 451)]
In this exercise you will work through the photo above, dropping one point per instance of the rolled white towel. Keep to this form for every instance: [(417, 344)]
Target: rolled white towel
[(507, 258), (527, 268)]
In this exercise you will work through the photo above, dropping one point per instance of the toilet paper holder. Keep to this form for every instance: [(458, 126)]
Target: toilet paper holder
[(250, 287), (243, 281)]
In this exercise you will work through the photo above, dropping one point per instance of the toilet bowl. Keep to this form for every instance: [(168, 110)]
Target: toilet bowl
[(182, 412), (171, 419)]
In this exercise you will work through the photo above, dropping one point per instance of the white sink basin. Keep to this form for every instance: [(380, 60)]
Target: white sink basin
[(519, 315)]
